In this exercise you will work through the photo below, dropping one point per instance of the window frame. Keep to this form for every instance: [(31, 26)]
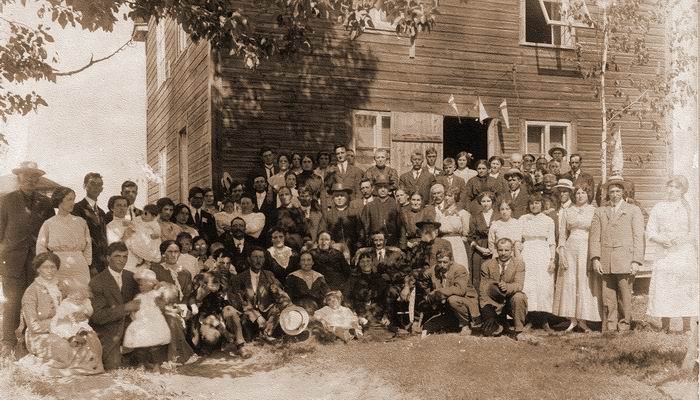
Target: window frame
[(162, 64), (523, 29), (377, 139), (163, 172), (183, 159), (183, 40), (546, 141)]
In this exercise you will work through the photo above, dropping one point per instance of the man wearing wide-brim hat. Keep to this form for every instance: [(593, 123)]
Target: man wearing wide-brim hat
[(616, 249), (340, 220), (22, 213), (559, 153), (382, 215)]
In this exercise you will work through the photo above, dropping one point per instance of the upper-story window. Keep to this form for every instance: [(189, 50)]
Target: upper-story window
[(162, 69), (552, 23)]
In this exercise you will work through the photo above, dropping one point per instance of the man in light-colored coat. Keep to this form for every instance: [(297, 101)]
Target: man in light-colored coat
[(616, 248)]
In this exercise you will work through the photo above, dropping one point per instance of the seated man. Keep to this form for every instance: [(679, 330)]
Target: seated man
[(383, 257), (451, 294), (259, 296), (501, 291)]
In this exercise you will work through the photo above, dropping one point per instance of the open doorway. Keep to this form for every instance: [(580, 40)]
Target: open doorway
[(469, 135)]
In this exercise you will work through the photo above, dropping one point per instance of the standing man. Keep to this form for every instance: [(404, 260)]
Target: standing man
[(451, 183), (382, 214), (22, 213), (129, 191), (203, 221), (380, 168), (367, 190), (113, 292), (431, 156), (579, 177), (517, 193), (617, 251), (559, 153), (418, 179), (266, 167), (95, 218), (344, 172), (342, 221)]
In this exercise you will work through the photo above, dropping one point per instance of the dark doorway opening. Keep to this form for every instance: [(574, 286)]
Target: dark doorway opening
[(469, 135)]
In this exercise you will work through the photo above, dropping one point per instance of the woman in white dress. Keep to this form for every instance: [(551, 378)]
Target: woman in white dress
[(68, 237), (463, 171), (506, 227), (254, 221), (578, 292), (539, 247), (454, 228), (673, 290)]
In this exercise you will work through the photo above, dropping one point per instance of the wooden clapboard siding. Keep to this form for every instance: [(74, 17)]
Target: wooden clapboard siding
[(181, 102)]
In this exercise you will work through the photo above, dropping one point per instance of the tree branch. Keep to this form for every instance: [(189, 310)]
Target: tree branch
[(617, 114), (93, 61)]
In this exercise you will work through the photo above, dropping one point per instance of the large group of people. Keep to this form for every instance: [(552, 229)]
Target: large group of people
[(316, 244)]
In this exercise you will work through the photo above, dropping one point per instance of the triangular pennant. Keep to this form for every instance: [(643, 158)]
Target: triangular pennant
[(483, 115), (453, 104), (504, 113)]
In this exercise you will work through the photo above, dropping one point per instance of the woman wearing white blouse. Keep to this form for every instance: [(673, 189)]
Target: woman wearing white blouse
[(254, 221), (506, 227)]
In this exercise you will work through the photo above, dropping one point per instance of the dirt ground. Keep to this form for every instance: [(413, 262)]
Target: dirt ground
[(643, 364)]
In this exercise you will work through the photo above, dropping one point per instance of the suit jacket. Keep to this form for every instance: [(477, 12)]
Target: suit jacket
[(520, 203), (601, 193), (583, 178), (617, 239), (184, 278), (421, 185), (458, 186), (350, 179), (206, 226), (241, 289), (239, 258), (20, 222), (109, 319), (382, 216), (98, 231), (392, 257), (259, 170), (344, 226), (513, 277), (456, 282), (269, 209)]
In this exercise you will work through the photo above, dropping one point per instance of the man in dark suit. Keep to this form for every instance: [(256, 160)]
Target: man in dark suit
[(342, 221), (382, 214), (266, 168), (501, 291), (22, 213), (517, 192), (344, 172), (113, 292), (264, 201), (238, 244), (202, 220), (129, 191), (579, 177), (452, 184), (259, 295), (95, 218), (312, 214), (385, 259), (418, 179)]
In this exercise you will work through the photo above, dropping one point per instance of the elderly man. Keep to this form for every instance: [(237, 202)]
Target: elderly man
[(437, 197), (382, 214), (380, 168), (367, 190), (95, 218), (451, 183), (516, 161), (517, 192), (22, 213), (451, 290), (579, 177), (418, 179), (501, 291), (113, 292), (616, 248)]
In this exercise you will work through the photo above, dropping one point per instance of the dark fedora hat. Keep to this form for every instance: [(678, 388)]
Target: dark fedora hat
[(339, 187), (382, 180), (428, 221), (512, 172)]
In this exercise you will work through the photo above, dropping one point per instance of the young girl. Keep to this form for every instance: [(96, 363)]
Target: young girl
[(145, 241), (71, 319), (337, 319), (148, 333)]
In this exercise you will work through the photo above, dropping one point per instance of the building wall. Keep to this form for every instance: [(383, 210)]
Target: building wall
[(305, 104), (181, 103)]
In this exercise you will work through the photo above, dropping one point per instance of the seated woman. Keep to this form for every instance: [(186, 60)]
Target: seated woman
[(280, 258), (49, 353), (330, 262), (306, 287), (366, 291), (291, 219), (182, 217)]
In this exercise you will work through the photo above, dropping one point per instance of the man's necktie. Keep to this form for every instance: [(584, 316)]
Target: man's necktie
[(197, 218)]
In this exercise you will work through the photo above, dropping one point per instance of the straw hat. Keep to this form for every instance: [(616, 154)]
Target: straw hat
[(26, 167), (513, 171), (563, 150), (294, 320), (564, 184)]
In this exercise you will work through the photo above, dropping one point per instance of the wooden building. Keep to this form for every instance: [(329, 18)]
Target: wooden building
[(208, 114)]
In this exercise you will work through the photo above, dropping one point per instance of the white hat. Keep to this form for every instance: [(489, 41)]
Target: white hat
[(294, 320), (145, 275)]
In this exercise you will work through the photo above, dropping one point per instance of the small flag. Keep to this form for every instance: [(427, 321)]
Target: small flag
[(504, 113), (451, 102), (482, 111), (618, 161)]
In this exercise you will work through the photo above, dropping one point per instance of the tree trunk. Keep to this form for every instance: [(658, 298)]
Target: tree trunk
[(603, 105)]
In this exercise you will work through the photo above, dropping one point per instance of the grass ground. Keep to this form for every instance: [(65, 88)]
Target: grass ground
[(643, 364)]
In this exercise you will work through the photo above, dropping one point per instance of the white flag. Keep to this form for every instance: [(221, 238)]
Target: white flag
[(618, 160), (482, 111), (504, 113), (451, 102)]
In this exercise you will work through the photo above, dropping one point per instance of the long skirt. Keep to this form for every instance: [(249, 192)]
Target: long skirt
[(73, 265), (578, 292), (673, 290), (539, 282), (459, 252), (53, 355)]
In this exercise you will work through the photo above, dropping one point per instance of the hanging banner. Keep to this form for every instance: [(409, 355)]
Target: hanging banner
[(451, 102), (483, 115), (504, 113)]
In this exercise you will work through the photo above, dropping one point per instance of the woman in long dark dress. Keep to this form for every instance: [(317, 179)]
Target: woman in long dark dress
[(331, 263), (481, 183), (306, 287), (478, 239), (280, 259), (291, 219)]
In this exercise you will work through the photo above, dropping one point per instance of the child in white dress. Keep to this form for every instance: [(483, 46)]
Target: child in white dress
[(72, 315), (145, 240), (337, 319), (148, 333)]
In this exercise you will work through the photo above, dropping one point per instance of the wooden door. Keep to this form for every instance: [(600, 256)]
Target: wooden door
[(414, 132)]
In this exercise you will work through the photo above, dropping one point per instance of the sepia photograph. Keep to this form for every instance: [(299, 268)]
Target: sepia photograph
[(349, 199)]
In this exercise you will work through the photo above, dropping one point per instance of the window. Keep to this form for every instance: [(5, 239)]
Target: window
[(161, 61), (183, 164), (542, 136), (371, 131), (547, 22), (182, 40), (162, 172)]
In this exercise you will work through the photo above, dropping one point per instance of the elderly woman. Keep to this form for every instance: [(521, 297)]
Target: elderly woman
[(182, 217), (170, 271), (417, 211), (280, 258), (51, 354), (463, 171), (673, 291), (68, 236), (291, 219), (539, 249), (305, 286), (478, 237), (330, 262), (402, 199)]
